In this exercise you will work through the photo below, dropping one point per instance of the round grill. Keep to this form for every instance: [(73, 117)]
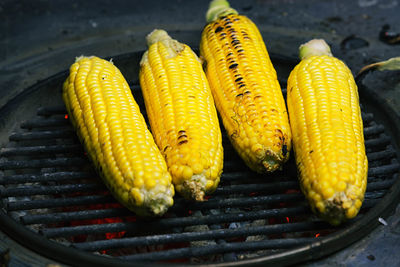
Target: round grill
[(55, 204)]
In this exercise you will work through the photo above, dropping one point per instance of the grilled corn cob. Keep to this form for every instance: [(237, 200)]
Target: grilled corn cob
[(182, 115), (328, 136), (114, 134), (245, 88)]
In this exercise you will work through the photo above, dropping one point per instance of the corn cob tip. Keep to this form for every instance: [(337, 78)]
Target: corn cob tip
[(271, 164), (314, 47), (157, 35), (219, 8), (193, 190)]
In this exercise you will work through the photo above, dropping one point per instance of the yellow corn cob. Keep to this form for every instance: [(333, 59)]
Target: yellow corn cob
[(115, 135), (182, 115), (246, 91), (328, 136)]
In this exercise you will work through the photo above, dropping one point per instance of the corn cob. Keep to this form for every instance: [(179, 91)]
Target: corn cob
[(246, 91), (328, 136), (114, 134), (182, 115)]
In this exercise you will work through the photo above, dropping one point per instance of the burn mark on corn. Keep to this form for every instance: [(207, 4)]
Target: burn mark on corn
[(204, 64), (233, 66), (217, 30), (166, 147), (182, 142), (284, 150), (240, 86), (182, 136), (239, 95), (311, 151), (235, 42), (234, 135)]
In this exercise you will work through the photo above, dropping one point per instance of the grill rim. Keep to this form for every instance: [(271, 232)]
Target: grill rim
[(321, 247)]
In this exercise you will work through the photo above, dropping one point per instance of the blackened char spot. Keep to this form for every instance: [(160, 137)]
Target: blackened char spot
[(235, 42), (284, 150), (233, 66), (182, 142), (217, 30)]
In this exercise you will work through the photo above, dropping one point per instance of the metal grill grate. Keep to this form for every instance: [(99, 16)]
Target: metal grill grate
[(48, 186)]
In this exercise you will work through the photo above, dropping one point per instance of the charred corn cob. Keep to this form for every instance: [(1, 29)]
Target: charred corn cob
[(182, 115), (114, 134), (245, 88), (328, 136)]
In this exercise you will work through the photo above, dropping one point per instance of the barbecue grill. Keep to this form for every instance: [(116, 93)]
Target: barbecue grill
[(54, 204)]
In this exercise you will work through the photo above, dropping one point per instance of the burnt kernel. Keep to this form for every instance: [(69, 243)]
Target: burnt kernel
[(239, 95), (240, 51), (181, 132), (239, 79), (284, 150), (240, 86), (182, 142), (182, 136), (235, 42), (204, 64), (247, 92), (217, 30), (233, 66), (229, 54), (311, 151)]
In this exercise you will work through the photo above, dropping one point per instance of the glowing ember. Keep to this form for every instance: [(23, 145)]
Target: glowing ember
[(317, 235), (66, 116)]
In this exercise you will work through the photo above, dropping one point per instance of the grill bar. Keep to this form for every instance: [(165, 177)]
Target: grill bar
[(46, 177), (39, 123), (50, 190), (386, 169), (34, 150), (48, 111), (383, 140), (58, 202), (220, 248), (173, 222), (68, 132), (42, 163), (373, 130), (206, 235), (375, 156), (74, 216)]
